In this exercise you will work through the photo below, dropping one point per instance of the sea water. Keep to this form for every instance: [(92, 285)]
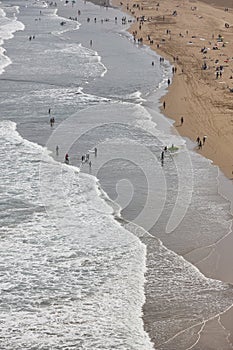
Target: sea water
[(68, 270), (72, 276)]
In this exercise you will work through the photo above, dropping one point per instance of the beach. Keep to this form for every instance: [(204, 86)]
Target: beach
[(134, 250), (196, 94), (204, 101), (196, 38)]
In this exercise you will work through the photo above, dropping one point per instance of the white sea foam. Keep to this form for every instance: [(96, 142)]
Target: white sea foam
[(8, 26), (73, 265), (78, 48), (74, 25), (2, 12), (135, 97), (68, 265), (61, 97), (4, 60)]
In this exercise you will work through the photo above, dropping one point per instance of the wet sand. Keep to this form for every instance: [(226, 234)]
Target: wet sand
[(196, 37), (179, 31), (205, 103)]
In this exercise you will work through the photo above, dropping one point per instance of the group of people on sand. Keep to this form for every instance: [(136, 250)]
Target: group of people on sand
[(217, 42), (200, 142)]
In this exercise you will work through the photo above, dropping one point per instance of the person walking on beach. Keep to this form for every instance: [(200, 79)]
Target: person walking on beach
[(181, 121), (204, 140), (164, 104)]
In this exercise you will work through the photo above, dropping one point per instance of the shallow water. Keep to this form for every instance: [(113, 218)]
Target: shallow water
[(74, 265)]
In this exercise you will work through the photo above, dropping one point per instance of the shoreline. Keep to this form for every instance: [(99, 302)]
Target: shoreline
[(177, 87), (211, 324), (208, 326), (150, 322), (194, 94), (181, 99)]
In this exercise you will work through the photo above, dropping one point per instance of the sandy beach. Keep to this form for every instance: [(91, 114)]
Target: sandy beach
[(192, 36), (202, 97), (196, 37), (185, 33), (88, 272)]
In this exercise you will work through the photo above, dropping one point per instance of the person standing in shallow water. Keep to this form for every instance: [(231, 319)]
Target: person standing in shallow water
[(52, 121), (67, 158), (162, 158), (162, 155)]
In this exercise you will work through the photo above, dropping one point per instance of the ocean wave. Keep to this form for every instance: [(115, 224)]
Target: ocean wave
[(74, 265), (8, 26)]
